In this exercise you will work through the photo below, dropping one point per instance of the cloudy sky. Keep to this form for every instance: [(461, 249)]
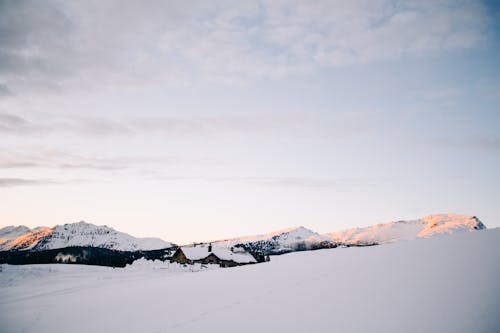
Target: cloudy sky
[(199, 120)]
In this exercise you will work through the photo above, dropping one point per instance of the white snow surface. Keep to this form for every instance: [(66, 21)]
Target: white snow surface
[(74, 234), (448, 283), (428, 226)]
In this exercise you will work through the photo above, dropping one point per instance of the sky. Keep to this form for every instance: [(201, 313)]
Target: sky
[(196, 120)]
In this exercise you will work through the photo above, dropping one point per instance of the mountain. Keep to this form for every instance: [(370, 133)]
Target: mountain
[(83, 234), (279, 242), (407, 230), (80, 234), (9, 233), (300, 239)]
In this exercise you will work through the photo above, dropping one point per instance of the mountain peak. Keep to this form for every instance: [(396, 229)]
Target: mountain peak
[(78, 234), (408, 229)]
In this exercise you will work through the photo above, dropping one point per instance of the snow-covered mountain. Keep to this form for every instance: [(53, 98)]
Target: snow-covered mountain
[(74, 234), (299, 239), (407, 230), (9, 233), (282, 241)]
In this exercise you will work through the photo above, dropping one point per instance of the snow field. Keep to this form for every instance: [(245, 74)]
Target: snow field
[(448, 283)]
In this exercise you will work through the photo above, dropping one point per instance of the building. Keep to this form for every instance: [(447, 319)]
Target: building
[(206, 254)]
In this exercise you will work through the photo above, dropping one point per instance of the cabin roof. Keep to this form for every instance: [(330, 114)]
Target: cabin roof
[(201, 251)]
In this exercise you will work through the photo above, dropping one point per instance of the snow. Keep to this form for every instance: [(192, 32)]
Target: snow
[(29, 240), (239, 257), (277, 242), (408, 230), (76, 234), (195, 252), (287, 236), (447, 283), (86, 234), (201, 251), (300, 238), (10, 233), (142, 265), (13, 231)]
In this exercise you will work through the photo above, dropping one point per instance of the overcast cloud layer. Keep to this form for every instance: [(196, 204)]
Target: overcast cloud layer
[(48, 45)]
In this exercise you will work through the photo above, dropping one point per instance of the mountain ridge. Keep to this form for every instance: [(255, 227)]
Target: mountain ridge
[(301, 238), (276, 242), (75, 234)]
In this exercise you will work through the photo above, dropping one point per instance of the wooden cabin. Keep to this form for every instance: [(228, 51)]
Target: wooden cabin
[(206, 254)]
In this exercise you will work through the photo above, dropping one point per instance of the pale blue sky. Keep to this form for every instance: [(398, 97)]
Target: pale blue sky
[(196, 121)]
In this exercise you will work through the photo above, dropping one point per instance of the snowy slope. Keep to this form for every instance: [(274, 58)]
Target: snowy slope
[(407, 230), (10, 233), (301, 238), (441, 284), (277, 242), (75, 234)]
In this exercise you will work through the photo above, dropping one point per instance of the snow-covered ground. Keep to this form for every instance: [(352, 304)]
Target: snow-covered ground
[(448, 283)]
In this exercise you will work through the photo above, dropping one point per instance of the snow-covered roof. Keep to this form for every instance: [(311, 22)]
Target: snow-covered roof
[(195, 252), (201, 251), (227, 254)]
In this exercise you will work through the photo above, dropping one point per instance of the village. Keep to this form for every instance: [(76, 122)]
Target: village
[(203, 253)]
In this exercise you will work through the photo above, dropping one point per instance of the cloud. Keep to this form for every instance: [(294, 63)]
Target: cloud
[(10, 123), (34, 42), (274, 181), (202, 126), (5, 91), (292, 182), (86, 126), (442, 94), (10, 182), (483, 143), (287, 37), (57, 159), (59, 44), (472, 143), (92, 126), (96, 127)]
